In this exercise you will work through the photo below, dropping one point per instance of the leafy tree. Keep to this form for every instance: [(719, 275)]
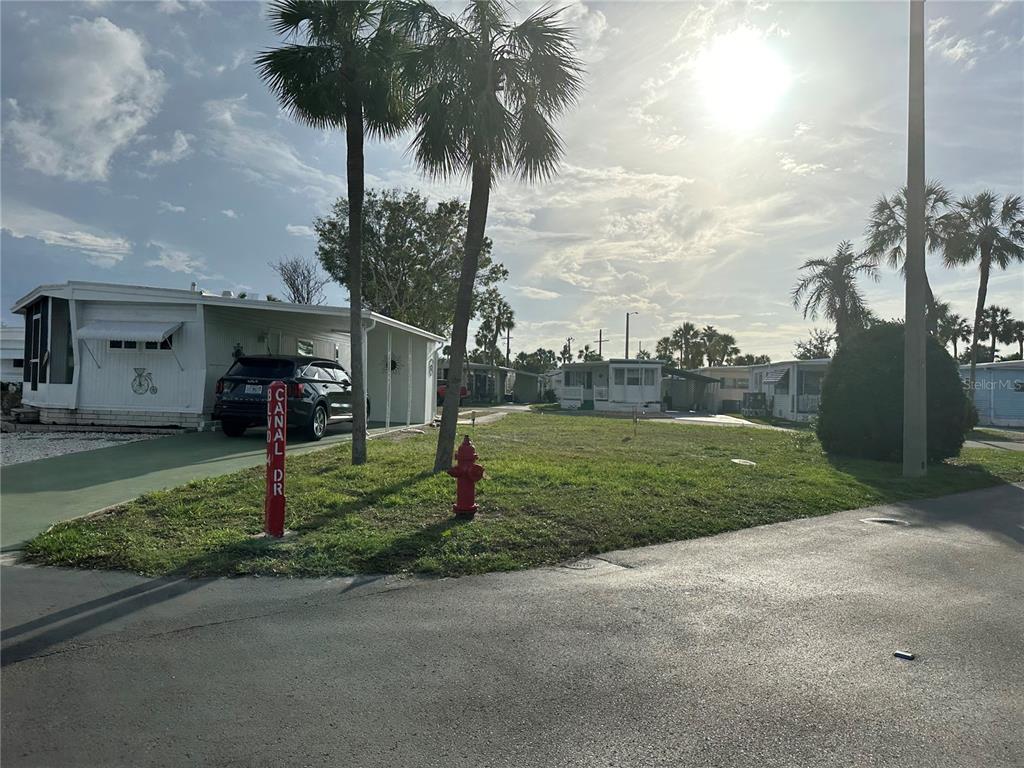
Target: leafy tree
[(540, 360), (498, 318), (982, 230), (751, 359), (830, 288), (412, 256), (953, 328), (643, 354), (819, 345), (887, 232), (861, 410), (345, 74), (722, 349), (302, 279), (997, 326), (683, 338), (486, 92), (587, 354)]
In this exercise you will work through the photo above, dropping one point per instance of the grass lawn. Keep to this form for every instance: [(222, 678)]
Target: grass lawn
[(995, 433), (557, 487)]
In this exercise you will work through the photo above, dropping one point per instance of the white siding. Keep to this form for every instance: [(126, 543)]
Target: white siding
[(107, 381), (412, 380)]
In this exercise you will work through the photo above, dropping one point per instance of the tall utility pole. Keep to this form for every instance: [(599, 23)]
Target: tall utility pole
[(508, 347), (599, 342), (627, 331), (915, 395)]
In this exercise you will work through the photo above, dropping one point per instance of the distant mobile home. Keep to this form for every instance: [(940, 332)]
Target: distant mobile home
[(104, 353), (998, 393)]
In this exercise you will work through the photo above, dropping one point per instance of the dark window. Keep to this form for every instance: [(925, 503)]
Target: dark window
[(262, 368), (19, 362), (165, 344), (116, 344), (131, 345)]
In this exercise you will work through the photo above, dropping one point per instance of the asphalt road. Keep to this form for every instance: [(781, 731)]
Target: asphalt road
[(766, 647)]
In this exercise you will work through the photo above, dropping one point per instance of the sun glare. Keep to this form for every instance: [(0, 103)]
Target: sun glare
[(741, 79)]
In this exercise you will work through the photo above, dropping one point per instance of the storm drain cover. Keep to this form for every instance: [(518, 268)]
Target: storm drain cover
[(885, 520)]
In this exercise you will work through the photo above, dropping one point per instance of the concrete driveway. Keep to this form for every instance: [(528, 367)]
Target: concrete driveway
[(37, 494), (765, 647)]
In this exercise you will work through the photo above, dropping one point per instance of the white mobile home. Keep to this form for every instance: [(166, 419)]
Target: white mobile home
[(998, 392), (792, 388), (608, 385), (12, 350), (103, 353)]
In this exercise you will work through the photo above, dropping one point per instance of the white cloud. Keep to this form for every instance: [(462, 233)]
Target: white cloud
[(790, 165), (91, 93), (166, 207), (178, 150), (591, 27), (997, 7), (262, 154), (951, 47), (230, 213), (170, 7), (530, 292), (300, 230), (175, 259), (100, 248)]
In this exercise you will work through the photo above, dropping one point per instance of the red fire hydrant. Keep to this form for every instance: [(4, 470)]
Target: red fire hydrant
[(467, 474)]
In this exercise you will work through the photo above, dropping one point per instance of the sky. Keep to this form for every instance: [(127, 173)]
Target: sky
[(716, 147)]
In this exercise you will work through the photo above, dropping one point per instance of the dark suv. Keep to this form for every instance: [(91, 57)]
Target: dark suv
[(319, 393)]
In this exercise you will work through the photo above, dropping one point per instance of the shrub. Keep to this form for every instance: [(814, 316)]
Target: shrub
[(861, 409)]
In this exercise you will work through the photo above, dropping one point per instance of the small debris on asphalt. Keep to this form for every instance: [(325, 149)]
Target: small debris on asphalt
[(904, 655), (744, 462)]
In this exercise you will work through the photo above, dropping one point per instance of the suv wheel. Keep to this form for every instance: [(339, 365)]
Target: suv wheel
[(317, 423), (233, 428)]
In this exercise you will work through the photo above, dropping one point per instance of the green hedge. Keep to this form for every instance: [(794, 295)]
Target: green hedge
[(861, 408)]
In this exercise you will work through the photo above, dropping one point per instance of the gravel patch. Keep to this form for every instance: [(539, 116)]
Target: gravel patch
[(19, 447)]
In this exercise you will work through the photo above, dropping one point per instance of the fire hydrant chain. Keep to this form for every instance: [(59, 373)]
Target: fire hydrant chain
[(467, 474)]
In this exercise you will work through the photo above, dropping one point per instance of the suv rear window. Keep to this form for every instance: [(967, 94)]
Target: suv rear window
[(262, 368)]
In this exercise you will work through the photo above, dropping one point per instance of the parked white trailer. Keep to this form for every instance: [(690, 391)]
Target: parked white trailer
[(104, 353)]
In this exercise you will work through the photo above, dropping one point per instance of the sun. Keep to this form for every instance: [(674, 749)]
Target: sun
[(741, 79)]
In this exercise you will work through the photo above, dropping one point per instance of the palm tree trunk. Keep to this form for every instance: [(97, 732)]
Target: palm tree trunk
[(979, 312), (479, 198), (955, 357), (354, 147)]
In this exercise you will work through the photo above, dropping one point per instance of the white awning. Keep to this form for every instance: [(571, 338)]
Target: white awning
[(133, 330), (776, 375)]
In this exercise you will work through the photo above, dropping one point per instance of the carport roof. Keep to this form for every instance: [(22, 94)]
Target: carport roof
[(120, 292)]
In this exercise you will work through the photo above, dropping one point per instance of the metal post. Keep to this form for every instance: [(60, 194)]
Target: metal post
[(387, 405), (600, 342), (508, 347), (627, 332), (915, 436)]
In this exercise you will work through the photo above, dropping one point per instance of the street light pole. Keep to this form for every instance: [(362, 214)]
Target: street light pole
[(915, 410), (627, 331)]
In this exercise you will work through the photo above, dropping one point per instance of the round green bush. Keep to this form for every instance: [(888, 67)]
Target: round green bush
[(861, 408)]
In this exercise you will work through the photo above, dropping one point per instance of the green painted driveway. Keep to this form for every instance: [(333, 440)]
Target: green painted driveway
[(36, 494)]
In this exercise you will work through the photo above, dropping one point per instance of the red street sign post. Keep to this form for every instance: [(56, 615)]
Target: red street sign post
[(277, 427)]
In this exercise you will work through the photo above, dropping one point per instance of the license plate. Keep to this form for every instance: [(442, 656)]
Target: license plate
[(254, 389)]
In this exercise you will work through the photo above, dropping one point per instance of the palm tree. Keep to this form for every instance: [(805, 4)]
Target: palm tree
[(998, 327), (887, 232), (980, 229), (1017, 337), (486, 92), (953, 328), (347, 75), (831, 289), (683, 338)]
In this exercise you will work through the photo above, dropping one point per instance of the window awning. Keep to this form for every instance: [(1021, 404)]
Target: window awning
[(776, 375), (134, 330)]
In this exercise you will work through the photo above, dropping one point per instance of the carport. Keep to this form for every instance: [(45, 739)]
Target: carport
[(123, 355)]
